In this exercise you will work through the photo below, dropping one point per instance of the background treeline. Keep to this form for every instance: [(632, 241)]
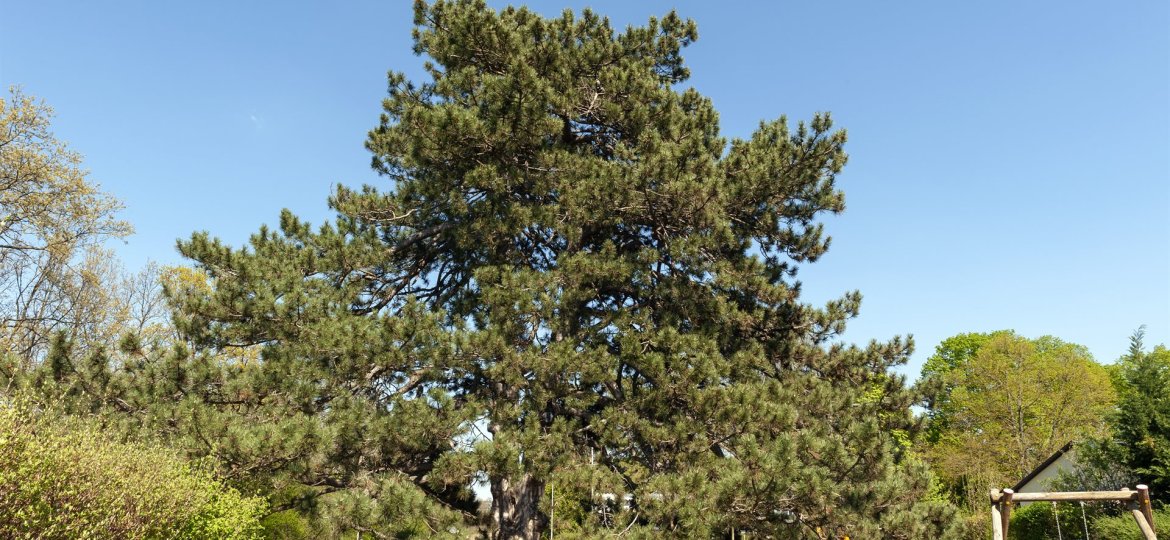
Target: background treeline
[(576, 295)]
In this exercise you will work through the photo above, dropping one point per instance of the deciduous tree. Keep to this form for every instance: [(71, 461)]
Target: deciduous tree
[(52, 221), (1012, 403)]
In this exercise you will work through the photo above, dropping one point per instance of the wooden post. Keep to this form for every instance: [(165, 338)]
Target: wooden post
[(996, 518), (1073, 496), (1006, 510), (1140, 518), (1143, 500)]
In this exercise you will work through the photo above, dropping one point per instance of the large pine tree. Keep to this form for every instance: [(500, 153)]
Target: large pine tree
[(572, 284)]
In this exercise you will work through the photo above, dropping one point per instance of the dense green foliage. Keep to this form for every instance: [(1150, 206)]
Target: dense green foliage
[(286, 525), (61, 477), (1038, 521), (169, 393), (1137, 449), (1141, 426), (937, 383), (572, 291), (1000, 404), (572, 279)]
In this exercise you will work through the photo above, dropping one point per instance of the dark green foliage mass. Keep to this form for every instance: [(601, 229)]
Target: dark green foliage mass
[(571, 280), (1137, 449), (1142, 424), (1140, 442)]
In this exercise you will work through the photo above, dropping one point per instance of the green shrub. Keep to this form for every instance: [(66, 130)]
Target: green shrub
[(286, 525), (1037, 521), (60, 477), (1124, 527)]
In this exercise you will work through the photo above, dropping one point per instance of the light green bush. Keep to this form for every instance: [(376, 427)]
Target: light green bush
[(60, 477), (1124, 527)]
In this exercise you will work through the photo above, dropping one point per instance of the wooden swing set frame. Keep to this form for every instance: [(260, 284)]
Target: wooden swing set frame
[(1138, 503)]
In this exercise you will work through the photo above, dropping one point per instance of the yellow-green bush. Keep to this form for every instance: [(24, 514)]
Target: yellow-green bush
[(60, 477), (1124, 527)]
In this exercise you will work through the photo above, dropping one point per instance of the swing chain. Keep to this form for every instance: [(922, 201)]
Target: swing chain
[(1056, 517), (1084, 520)]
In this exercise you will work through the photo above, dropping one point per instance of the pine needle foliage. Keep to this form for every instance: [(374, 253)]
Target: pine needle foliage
[(571, 280)]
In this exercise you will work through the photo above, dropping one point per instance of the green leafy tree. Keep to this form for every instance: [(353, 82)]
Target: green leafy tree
[(573, 280), (935, 383), (1011, 402)]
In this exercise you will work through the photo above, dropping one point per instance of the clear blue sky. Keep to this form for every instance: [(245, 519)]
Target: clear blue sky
[(1010, 161)]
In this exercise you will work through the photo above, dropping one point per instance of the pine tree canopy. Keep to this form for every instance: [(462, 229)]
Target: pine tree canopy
[(1141, 424), (571, 282)]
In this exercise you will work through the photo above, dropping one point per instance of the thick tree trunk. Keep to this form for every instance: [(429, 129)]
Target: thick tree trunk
[(516, 508)]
